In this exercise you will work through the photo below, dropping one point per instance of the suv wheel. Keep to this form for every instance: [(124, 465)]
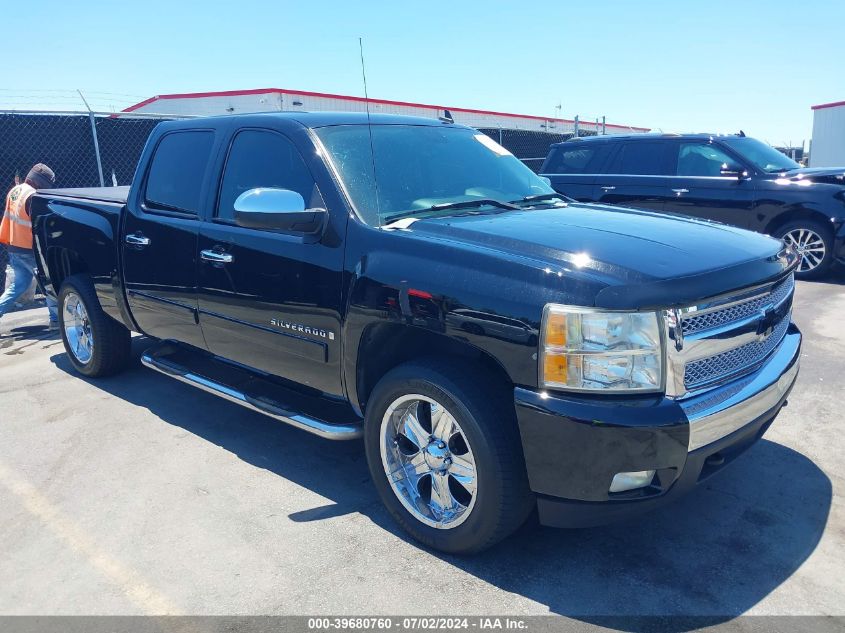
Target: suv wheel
[(96, 344), (446, 457), (814, 244)]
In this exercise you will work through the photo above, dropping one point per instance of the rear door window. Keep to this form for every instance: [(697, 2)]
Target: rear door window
[(177, 171), (643, 158), (578, 158)]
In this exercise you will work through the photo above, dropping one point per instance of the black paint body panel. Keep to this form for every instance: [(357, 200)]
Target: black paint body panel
[(574, 446), (88, 227), (574, 513)]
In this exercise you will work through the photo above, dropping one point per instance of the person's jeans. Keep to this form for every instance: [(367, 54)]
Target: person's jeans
[(23, 265), (4, 261)]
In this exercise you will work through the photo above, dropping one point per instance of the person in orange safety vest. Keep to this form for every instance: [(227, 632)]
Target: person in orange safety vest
[(16, 233)]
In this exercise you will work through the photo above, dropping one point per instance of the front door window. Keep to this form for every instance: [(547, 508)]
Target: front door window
[(702, 159)]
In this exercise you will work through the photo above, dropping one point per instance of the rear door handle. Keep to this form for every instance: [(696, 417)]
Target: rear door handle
[(608, 187), (680, 191), (137, 240), (216, 257)]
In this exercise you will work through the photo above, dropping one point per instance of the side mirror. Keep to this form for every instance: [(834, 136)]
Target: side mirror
[(277, 210), (732, 170)]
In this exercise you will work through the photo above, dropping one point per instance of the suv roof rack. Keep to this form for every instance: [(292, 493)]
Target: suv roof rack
[(646, 135)]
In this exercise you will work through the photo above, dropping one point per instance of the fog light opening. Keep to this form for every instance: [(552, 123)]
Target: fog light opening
[(631, 481), (716, 459)]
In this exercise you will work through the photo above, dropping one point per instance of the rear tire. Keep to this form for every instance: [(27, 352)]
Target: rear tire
[(814, 243), (96, 344), (479, 470)]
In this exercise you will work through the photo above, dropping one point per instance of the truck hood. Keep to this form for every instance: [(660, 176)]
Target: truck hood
[(643, 259), (828, 175)]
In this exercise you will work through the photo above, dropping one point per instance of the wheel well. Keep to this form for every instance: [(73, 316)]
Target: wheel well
[(62, 263), (795, 215), (385, 346)]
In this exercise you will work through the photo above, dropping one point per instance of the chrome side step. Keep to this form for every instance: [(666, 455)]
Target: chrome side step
[(161, 359)]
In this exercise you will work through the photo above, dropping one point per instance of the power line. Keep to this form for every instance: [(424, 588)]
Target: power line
[(71, 92)]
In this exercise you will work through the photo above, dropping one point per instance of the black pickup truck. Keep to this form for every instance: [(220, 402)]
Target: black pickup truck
[(498, 347)]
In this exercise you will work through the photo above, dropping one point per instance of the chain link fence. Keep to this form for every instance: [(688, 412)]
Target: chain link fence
[(83, 149), (102, 149), (529, 146)]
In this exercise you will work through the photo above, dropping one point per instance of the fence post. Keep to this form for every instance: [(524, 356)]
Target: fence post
[(576, 126), (603, 125), (96, 148), (94, 136)]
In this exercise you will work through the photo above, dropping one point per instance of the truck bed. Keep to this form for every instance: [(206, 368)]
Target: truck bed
[(73, 221), (97, 194)]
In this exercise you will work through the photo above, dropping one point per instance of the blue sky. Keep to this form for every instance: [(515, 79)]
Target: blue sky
[(677, 66)]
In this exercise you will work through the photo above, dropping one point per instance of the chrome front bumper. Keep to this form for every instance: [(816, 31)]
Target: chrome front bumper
[(722, 411)]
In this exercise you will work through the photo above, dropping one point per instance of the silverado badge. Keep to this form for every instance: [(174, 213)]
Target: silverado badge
[(303, 329)]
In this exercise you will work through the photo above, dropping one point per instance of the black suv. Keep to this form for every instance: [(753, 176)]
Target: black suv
[(733, 179)]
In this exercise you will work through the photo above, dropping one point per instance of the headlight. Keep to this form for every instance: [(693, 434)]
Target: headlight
[(585, 350)]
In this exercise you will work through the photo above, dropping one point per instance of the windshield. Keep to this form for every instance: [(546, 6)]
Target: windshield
[(763, 157), (418, 167)]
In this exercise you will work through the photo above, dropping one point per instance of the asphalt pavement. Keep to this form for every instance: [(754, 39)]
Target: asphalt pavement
[(140, 495)]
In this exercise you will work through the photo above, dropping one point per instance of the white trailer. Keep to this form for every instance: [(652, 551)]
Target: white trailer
[(828, 145)]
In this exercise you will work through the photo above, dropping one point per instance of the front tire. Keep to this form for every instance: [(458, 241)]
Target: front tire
[(814, 244), (445, 455), (96, 344)]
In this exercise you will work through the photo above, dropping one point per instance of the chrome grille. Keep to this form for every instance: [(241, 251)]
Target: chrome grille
[(737, 360), (718, 396), (715, 342), (737, 312)]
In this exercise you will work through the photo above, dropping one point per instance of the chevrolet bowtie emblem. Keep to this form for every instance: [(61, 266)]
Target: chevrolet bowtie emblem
[(769, 318)]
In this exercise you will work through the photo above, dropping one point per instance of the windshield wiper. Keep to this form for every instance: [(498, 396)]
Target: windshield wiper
[(542, 196), (452, 206)]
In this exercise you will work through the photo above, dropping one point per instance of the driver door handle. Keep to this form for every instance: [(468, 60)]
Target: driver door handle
[(680, 191), (217, 257), (137, 240), (608, 187)]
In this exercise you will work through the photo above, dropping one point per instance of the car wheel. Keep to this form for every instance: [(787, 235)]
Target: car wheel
[(96, 344), (814, 244), (445, 455)]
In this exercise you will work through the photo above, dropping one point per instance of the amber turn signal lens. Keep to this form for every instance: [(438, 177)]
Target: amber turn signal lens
[(556, 330), (555, 368)]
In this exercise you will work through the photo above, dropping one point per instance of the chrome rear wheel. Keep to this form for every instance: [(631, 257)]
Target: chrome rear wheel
[(77, 326)]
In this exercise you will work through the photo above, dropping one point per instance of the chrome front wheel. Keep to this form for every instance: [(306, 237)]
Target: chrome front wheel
[(77, 326), (428, 461), (810, 247)]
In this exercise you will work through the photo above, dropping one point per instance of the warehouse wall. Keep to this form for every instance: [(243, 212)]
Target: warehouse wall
[(206, 104), (828, 147)]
